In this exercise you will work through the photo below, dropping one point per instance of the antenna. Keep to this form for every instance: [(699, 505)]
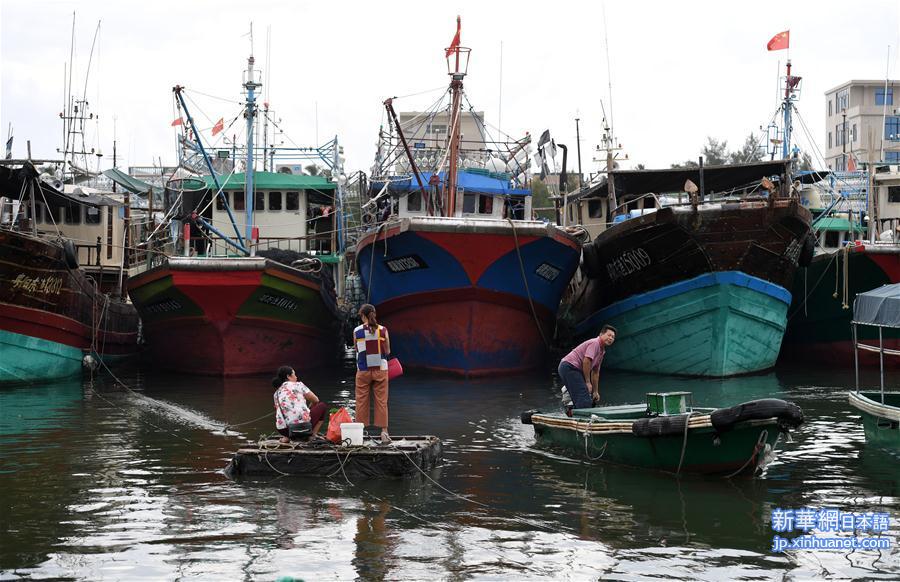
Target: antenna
[(500, 99), (612, 132)]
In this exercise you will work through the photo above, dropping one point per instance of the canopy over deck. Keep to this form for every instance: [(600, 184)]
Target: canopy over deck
[(880, 307)]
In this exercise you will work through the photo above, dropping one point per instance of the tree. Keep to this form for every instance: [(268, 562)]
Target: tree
[(748, 153)]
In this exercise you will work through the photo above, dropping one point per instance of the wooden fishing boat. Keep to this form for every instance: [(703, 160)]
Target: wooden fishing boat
[(405, 457), (668, 434)]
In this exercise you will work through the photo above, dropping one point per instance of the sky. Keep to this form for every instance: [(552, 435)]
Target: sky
[(668, 74)]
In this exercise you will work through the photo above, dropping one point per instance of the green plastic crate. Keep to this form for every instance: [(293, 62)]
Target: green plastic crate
[(666, 403)]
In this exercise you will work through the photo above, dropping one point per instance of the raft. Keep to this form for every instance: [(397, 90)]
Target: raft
[(680, 439), (405, 457)]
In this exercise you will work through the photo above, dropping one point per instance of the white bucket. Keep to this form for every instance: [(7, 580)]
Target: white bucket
[(352, 431)]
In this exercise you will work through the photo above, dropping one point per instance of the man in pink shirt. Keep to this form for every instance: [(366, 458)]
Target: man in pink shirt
[(580, 369)]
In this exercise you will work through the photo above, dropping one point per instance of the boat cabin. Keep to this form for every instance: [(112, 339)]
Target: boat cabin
[(292, 212)]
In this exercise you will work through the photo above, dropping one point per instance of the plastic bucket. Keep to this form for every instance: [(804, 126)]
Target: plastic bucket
[(352, 431)]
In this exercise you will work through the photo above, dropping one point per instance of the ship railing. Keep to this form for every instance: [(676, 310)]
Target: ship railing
[(89, 254), (312, 244)]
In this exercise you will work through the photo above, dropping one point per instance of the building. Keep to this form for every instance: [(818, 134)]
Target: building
[(854, 110), (427, 135)]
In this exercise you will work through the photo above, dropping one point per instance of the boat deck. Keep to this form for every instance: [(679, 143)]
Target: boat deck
[(404, 457)]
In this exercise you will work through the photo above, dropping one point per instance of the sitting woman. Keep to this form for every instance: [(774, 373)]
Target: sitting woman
[(295, 403)]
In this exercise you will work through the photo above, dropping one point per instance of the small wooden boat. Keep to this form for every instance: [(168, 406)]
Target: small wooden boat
[(404, 457), (668, 434)]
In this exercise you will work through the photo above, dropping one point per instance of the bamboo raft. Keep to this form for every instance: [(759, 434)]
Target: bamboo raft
[(404, 457)]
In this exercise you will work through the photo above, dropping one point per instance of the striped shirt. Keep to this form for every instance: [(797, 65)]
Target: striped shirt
[(370, 348)]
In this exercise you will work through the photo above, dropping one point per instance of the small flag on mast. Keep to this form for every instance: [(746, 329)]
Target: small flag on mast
[(178, 121), (219, 126), (455, 42), (780, 41)]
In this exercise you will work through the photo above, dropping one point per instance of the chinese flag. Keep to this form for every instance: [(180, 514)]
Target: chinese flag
[(851, 163), (219, 126), (780, 41), (178, 121), (455, 42)]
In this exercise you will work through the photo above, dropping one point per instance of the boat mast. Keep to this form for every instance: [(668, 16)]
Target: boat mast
[(458, 56), (788, 104), (251, 83)]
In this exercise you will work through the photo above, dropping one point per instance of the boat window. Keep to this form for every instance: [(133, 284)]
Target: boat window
[(595, 208), (469, 201), (259, 201), (292, 202), (39, 213), (52, 215), (220, 204), (414, 202), (91, 215), (515, 208), (73, 214), (485, 204), (274, 200), (832, 238), (239, 201)]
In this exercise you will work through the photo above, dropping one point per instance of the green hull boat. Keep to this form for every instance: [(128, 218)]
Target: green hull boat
[(732, 441), (881, 420)]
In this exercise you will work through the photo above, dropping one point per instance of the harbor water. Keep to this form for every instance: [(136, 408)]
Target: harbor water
[(100, 482)]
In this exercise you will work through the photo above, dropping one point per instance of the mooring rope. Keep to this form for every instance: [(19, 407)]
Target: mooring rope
[(525, 281), (760, 442)]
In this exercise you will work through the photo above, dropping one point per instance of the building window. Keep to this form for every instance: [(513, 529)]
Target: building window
[(91, 215), (892, 128), (829, 108), (221, 201), (853, 133), (839, 135), (292, 201), (73, 214), (882, 98), (595, 208), (894, 194), (829, 139), (239, 201), (414, 202), (892, 157), (843, 99), (274, 201), (259, 201)]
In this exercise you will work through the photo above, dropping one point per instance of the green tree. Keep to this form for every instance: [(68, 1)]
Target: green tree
[(748, 153)]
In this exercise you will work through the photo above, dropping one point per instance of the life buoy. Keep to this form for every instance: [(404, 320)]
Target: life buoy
[(658, 426), (70, 254), (788, 413), (807, 251)]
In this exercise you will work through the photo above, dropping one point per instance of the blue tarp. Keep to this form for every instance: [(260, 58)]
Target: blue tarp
[(466, 180)]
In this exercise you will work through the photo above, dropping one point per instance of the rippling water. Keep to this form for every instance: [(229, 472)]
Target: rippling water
[(99, 482)]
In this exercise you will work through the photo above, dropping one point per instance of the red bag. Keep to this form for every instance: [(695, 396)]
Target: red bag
[(334, 425), (395, 369)]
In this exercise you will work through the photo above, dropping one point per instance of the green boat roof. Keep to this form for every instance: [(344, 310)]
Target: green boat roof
[(273, 181), (839, 224)]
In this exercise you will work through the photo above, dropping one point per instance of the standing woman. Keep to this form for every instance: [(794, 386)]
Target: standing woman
[(373, 344), (295, 403)]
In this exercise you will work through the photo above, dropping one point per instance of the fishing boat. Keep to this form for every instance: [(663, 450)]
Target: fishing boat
[(247, 302), (668, 434), (406, 457), (698, 288), (878, 309), (466, 282), (852, 257), (52, 313)]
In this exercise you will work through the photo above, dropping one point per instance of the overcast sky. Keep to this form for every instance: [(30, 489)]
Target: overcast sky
[(680, 71)]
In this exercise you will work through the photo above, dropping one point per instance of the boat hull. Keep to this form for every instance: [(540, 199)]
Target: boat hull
[(819, 329), (467, 297), (695, 292), (745, 449), (231, 317), (718, 324), (50, 315), (881, 422)]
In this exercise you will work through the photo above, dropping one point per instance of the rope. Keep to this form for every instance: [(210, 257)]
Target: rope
[(227, 425), (525, 281), (683, 444), (760, 442)]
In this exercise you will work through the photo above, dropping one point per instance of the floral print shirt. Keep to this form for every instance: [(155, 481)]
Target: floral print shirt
[(290, 404)]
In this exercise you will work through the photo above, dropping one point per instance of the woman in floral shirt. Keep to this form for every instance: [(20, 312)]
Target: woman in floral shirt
[(292, 403)]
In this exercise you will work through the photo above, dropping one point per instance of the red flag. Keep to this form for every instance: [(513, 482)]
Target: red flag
[(851, 163), (219, 126), (178, 121), (455, 42), (780, 41)]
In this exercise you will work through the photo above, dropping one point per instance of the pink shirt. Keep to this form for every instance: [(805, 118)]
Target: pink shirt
[(592, 349)]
